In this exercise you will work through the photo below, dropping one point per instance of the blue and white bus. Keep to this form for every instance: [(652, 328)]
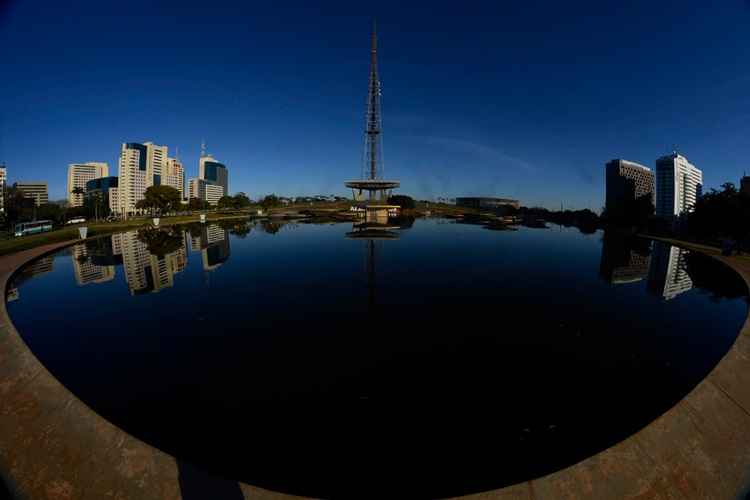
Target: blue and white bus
[(39, 226)]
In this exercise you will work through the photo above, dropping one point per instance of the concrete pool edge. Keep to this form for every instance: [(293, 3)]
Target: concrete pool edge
[(53, 446)]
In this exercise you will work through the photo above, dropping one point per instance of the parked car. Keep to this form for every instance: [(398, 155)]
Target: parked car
[(77, 220)]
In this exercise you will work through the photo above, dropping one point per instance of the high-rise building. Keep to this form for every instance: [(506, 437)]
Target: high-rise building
[(627, 182), (79, 174), (3, 180), (678, 185), (174, 176), (204, 190), (212, 171), (140, 167), (34, 190)]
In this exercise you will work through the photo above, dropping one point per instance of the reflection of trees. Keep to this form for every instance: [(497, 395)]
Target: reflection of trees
[(161, 242), (270, 227), (403, 221), (714, 277), (239, 228)]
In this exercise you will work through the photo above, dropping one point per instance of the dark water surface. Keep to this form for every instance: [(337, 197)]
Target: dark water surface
[(436, 360)]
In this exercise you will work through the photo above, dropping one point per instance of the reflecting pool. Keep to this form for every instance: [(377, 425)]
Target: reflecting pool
[(432, 356)]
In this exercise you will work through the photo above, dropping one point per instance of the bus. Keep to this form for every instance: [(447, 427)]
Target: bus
[(39, 226)]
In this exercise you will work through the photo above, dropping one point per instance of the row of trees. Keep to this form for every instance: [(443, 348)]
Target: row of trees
[(721, 214), (239, 200)]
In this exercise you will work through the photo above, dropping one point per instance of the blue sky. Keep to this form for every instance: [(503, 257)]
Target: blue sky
[(517, 99)]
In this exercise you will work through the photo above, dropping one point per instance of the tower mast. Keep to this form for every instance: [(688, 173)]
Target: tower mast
[(373, 125)]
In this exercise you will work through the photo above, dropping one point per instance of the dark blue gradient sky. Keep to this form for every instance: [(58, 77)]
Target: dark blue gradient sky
[(519, 99)]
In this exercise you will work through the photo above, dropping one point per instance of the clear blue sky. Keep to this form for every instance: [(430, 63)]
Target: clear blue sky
[(518, 99)]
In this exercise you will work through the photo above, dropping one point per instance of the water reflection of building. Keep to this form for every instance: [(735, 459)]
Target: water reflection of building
[(40, 266), (625, 258), (144, 272), (668, 274), (213, 243), (86, 270)]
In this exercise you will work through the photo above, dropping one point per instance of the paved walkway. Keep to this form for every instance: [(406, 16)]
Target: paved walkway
[(52, 446)]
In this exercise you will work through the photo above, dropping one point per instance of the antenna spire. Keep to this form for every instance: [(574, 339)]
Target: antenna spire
[(203, 148)]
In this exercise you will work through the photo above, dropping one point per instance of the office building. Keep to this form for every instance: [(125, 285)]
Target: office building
[(486, 203), (34, 190), (204, 190), (3, 180), (140, 167), (105, 189), (627, 182), (213, 172), (174, 176), (79, 174), (678, 185)]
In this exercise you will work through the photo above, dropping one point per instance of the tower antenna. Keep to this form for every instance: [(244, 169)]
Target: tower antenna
[(203, 148)]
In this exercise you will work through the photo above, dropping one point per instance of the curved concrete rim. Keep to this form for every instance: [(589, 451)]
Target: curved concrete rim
[(53, 446)]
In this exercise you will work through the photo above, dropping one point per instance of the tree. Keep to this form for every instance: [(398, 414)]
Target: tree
[(270, 201), (78, 191), (241, 200), (161, 242), (50, 211), (401, 200), (721, 214), (226, 202), (160, 199), (196, 204), (18, 208)]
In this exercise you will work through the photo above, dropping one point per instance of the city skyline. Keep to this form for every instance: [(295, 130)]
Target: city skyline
[(520, 104)]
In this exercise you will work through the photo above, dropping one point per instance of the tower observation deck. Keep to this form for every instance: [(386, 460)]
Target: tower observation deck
[(371, 181)]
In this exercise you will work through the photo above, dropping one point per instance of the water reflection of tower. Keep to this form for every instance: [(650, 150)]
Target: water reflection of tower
[(667, 275), (372, 233), (625, 258)]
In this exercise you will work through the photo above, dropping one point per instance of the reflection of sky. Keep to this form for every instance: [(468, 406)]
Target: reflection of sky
[(318, 272)]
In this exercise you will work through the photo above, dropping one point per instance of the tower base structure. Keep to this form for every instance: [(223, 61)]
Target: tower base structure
[(373, 206)]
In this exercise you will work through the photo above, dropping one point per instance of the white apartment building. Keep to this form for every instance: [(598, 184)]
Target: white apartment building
[(79, 174), (678, 185), (174, 176), (140, 166), (3, 180), (204, 190)]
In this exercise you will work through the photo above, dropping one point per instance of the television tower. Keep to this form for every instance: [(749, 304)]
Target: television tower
[(372, 168)]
